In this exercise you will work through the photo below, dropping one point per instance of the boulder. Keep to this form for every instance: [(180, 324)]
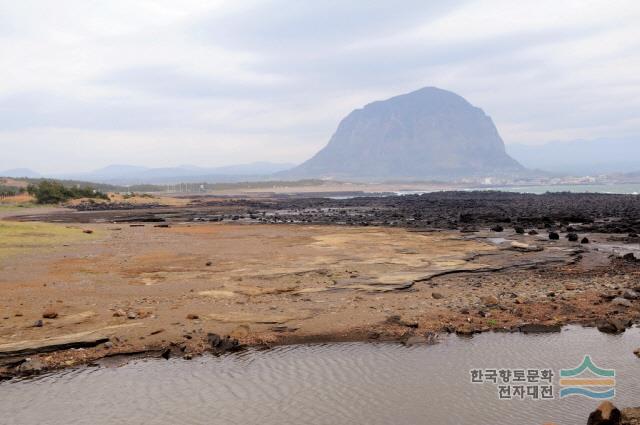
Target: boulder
[(49, 314), (612, 326), (585, 240), (554, 236), (572, 237), (519, 230), (605, 414), (497, 228), (623, 302)]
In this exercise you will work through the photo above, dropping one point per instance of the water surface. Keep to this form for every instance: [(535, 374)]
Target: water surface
[(346, 383)]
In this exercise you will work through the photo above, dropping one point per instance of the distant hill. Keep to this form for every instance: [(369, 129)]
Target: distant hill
[(19, 172), (130, 174), (426, 134), (581, 157)]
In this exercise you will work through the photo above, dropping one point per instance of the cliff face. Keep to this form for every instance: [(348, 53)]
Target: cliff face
[(429, 133)]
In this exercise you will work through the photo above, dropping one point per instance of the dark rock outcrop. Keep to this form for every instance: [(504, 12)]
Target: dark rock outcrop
[(605, 414)]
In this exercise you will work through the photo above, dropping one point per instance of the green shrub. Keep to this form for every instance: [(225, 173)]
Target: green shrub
[(52, 192)]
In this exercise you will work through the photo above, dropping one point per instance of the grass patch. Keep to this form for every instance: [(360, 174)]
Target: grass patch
[(19, 238)]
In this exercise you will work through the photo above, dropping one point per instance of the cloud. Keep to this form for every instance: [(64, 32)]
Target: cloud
[(272, 79)]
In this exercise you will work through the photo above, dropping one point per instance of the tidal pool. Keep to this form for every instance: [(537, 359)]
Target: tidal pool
[(341, 383)]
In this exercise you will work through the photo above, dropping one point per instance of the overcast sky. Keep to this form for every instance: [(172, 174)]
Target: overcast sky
[(88, 83)]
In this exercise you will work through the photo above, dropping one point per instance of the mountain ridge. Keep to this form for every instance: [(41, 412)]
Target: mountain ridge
[(427, 133)]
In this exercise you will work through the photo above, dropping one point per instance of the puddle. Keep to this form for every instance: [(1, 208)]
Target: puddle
[(346, 383)]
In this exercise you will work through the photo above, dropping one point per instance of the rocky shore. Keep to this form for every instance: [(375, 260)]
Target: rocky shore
[(157, 281)]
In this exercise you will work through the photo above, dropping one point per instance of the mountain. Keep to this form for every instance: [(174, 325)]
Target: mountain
[(131, 174), (426, 134), (580, 157), (19, 172)]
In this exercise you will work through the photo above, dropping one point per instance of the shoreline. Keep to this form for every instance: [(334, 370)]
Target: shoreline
[(101, 356), (146, 281)]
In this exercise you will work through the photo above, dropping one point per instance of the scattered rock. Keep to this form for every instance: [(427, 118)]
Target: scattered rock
[(637, 352), (397, 320), (464, 330), (489, 300), (533, 232), (222, 345), (519, 230), (631, 416), (523, 247), (605, 414), (373, 335), (573, 237), (166, 354), (415, 340), (497, 228), (108, 345), (187, 356), (630, 294), (554, 236), (241, 331), (629, 257), (49, 314), (436, 295), (132, 315), (621, 302), (119, 313), (612, 326), (536, 328), (87, 231), (209, 263), (38, 323), (31, 365), (162, 225), (192, 316), (585, 240)]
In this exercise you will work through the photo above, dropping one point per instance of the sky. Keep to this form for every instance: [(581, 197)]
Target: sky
[(87, 83)]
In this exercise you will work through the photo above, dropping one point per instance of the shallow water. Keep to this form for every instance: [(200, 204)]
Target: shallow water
[(346, 383)]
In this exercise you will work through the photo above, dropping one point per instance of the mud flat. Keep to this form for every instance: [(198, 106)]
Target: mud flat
[(80, 286)]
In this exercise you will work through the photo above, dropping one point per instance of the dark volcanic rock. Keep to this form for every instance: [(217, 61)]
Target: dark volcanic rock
[(428, 133), (535, 328), (605, 414), (554, 236), (573, 237), (613, 326)]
